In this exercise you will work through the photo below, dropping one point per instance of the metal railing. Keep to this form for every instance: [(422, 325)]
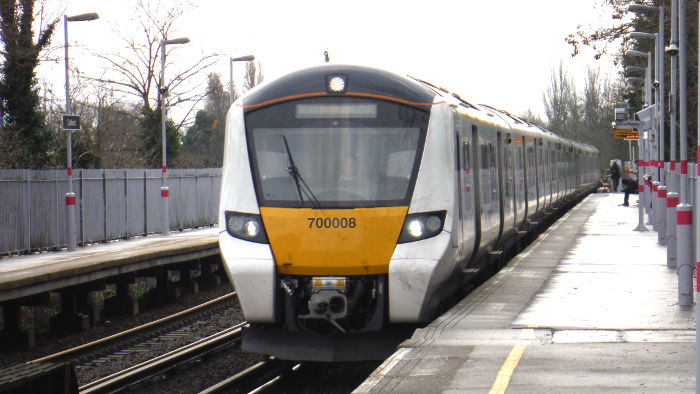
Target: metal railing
[(110, 204)]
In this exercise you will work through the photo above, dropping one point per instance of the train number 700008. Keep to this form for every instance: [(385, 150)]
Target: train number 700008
[(332, 222)]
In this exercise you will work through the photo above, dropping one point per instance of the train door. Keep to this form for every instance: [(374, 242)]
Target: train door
[(541, 176), (459, 237), (471, 149), (509, 201), (548, 172), (531, 180), (521, 184), (501, 168)]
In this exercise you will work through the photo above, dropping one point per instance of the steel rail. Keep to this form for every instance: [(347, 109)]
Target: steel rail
[(118, 335), (254, 379), (163, 362)]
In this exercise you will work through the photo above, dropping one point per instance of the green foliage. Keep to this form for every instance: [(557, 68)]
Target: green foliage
[(613, 39), (25, 139), (203, 144), (150, 138)]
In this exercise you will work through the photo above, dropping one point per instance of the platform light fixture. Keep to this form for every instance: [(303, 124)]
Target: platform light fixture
[(164, 191), (247, 58), (70, 196)]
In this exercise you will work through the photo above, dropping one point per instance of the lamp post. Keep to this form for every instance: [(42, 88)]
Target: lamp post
[(70, 196), (247, 58), (672, 50), (657, 144), (164, 191)]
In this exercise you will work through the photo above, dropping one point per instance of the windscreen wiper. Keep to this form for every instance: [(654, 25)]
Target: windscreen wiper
[(302, 187)]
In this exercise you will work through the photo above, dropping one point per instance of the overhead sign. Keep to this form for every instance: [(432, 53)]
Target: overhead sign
[(71, 122), (627, 134)]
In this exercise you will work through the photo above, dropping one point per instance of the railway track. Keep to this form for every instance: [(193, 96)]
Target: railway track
[(144, 371), (75, 352), (256, 378)]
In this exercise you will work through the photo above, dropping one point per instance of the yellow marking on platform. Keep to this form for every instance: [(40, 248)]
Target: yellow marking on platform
[(503, 379)]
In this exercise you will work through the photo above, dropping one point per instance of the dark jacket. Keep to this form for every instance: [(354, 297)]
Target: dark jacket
[(630, 186)]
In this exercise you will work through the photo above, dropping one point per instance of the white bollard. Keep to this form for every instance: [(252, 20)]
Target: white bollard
[(661, 215), (684, 223), (671, 203), (70, 221), (164, 211), (640, 206)]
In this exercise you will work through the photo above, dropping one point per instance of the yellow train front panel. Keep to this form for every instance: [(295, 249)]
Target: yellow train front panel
[(356, 241)]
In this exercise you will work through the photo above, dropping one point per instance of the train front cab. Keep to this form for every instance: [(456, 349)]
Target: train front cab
[(323, 208)]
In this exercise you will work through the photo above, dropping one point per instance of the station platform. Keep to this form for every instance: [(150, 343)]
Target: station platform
[(589, 307), (26, 275)]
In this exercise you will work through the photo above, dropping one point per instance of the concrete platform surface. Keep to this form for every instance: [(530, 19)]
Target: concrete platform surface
[(589, 307), (26, 275)]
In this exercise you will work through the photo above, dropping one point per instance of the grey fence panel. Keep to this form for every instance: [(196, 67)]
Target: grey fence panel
[(14, 225), (216, 191), (136, 202), (204, 198), (175, 205), (153, 184), (115, 206), (92, 198), (44, 224), (109, 204), (185, 200)]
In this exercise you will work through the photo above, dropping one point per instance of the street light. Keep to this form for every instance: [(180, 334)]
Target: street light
[(247, 58), (164, 191), (659, 77), (70, 196)]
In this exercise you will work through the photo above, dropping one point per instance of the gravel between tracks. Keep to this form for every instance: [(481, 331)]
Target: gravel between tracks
[(47, 345)]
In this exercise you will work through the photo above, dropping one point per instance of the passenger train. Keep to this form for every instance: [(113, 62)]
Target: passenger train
[(354, 200)]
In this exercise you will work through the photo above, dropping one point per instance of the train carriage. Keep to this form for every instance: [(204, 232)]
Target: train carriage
[(353, 200)]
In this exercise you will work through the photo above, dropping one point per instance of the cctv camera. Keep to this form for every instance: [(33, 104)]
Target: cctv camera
[(672, 50)]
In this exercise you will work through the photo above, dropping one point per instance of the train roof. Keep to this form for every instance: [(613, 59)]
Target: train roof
[(357, 80), (372, 82)]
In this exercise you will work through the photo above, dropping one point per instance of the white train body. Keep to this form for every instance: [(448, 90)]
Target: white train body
[(353, 200)]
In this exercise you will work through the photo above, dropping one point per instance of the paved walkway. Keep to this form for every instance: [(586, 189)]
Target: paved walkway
[(589, 307)]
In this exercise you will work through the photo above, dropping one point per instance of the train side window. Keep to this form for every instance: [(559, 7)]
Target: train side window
[(467, 158)]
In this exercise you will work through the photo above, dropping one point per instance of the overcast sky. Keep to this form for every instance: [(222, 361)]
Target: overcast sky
[(499, 52)]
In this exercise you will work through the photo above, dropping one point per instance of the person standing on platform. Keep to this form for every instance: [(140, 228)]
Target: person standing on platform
[(629, 185), (615, 173)]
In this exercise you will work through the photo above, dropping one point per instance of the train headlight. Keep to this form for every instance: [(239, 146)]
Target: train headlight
[(246, 226), (422, 225), (336, 83)]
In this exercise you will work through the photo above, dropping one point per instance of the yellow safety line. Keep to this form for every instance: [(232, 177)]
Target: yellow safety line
[(501, 383)]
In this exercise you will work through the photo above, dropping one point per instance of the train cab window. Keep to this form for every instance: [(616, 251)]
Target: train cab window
[(335, 152)]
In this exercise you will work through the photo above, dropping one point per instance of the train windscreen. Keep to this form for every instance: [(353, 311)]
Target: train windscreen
[(335, 152)]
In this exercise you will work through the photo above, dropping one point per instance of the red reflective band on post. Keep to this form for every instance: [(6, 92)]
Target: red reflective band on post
[(165, 193), (684, 218), (697, 280), (654, 188), (671, 202), (70, 171), (673, 165), (684, 167), (653, 163), (70, 200), (641, 188), (662, 193), (164, 169), (661, 164)]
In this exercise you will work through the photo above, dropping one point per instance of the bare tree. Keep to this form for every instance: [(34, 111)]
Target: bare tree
[(137, 68), (253, 75)]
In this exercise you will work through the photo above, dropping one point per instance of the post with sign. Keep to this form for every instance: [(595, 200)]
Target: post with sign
[(70, 123)]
